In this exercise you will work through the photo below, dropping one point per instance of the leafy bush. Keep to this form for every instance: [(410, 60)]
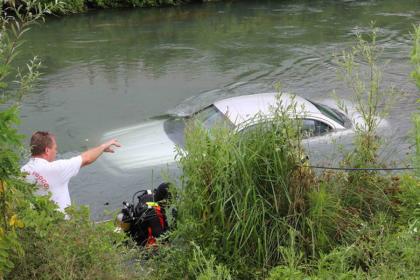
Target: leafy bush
[(76, 248), (35, 240), (78, 6), (14, 193), (74, 6)]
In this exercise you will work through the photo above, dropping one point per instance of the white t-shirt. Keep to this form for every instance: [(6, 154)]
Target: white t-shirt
[(53, 177)]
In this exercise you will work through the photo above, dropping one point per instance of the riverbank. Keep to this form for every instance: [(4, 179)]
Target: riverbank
[(80, 6)]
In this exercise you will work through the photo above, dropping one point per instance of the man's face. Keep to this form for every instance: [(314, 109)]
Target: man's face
[(51, 152)]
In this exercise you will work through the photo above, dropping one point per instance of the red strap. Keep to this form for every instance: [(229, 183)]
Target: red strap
[(150, 240), (160, 216)]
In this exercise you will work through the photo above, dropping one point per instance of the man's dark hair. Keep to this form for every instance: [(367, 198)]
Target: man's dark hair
[(41, 140)]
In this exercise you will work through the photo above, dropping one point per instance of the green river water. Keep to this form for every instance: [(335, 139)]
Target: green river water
[(114, 68)]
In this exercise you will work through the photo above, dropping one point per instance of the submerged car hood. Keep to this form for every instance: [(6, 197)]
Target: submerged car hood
[(144, 145)]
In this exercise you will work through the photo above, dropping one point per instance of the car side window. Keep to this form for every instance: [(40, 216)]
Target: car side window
[(312, 128)]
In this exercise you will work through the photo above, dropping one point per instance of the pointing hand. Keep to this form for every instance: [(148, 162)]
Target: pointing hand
[(109, 145)]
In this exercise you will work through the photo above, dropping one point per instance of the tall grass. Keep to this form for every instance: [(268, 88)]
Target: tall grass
[(242, 192), (362, 73)]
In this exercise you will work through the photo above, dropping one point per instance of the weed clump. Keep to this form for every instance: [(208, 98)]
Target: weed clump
[(241, 192)]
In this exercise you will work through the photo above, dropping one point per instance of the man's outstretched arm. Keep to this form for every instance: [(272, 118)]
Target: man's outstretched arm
[(91, 155)]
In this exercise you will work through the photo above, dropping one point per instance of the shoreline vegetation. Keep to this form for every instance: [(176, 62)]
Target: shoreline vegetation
[(247, 207), (66, 7)]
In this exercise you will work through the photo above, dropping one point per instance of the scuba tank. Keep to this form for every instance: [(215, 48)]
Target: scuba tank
[(145, 220)]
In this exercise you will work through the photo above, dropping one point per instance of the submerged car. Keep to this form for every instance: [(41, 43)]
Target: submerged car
[(154, 142)]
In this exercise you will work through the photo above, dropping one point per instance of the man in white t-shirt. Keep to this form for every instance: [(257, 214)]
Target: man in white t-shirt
[(54, 175)]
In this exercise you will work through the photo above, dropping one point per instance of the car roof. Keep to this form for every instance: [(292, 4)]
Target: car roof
[(243, 108)]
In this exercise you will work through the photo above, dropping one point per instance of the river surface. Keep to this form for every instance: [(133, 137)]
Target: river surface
[(109, 69)]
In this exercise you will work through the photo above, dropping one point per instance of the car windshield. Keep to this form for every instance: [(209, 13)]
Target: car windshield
[(210, 116), (330, 113)]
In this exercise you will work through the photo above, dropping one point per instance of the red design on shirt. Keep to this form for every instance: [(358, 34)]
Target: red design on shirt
[(41, 180)]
